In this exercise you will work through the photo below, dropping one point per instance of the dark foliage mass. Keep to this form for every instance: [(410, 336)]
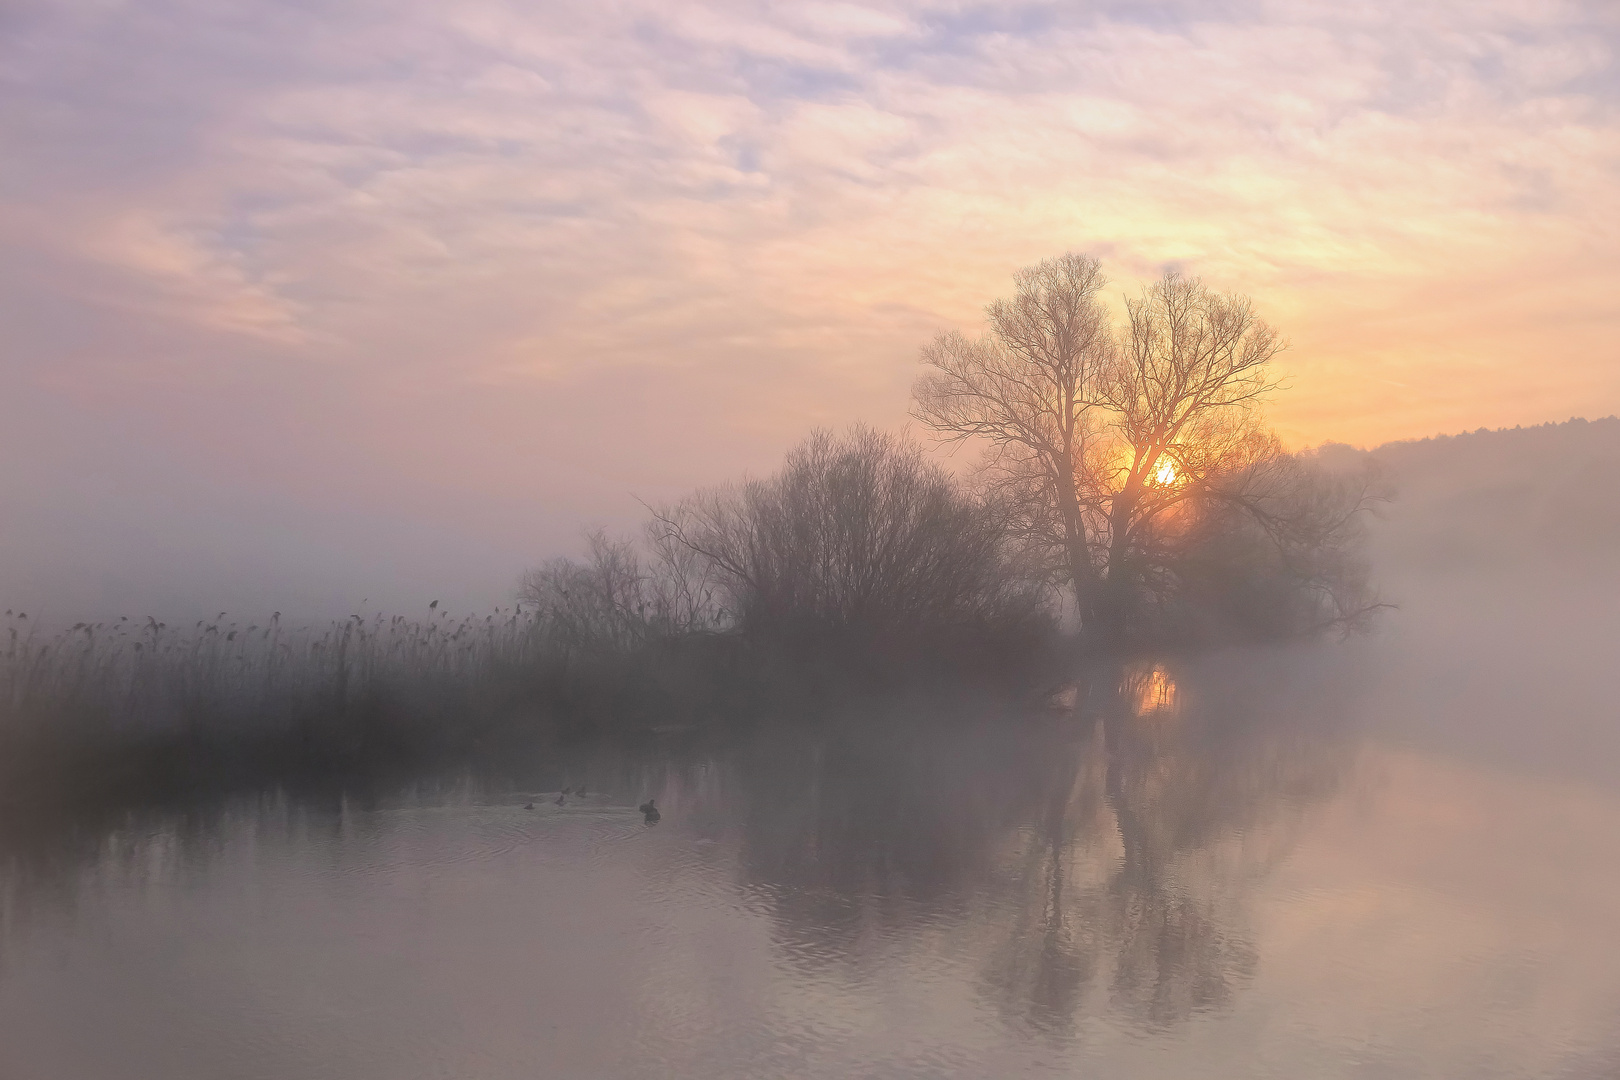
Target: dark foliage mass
[(1270, 553), (858, 541)]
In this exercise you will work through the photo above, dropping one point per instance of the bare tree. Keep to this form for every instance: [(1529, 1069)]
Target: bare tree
[(618, 597), (1122, 448), (1180, 396), (855, 533), (1028, 388)]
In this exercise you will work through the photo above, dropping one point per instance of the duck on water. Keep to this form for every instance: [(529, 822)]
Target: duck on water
[(649, 810)]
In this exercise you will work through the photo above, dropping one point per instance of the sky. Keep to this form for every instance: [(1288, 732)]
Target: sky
[(309, 305)]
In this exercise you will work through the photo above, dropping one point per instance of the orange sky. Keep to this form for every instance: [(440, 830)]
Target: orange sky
[(301, 293)]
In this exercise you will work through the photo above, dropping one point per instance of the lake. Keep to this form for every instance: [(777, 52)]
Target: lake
[(1398, 857)]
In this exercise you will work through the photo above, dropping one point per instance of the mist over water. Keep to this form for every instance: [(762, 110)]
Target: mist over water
[(1397, 855), (447, 629), (1502, 551)]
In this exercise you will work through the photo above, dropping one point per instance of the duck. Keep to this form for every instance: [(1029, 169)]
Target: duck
[(649, 810)]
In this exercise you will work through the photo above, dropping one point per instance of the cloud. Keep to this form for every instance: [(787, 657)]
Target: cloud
[(765, 208)]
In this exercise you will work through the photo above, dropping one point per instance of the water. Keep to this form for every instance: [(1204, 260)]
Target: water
[(1394, 859)]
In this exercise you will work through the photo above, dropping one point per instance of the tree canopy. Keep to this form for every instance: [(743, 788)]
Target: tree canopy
[(1135, 454)]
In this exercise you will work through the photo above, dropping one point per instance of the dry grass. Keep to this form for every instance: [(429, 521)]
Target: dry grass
[(218, 703)]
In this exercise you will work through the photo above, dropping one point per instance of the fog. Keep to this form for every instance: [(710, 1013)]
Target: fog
[(1332, 859), (1502, 554), (329, 329), (186, 510), (1513, 529)]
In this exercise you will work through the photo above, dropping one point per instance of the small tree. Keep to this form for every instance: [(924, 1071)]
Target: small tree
[(857, 536), (617, 598), (1121, 450)]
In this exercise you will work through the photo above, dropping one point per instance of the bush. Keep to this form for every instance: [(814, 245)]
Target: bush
[(857, 538)]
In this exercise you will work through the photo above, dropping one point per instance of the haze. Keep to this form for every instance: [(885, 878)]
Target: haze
[(309, 306)]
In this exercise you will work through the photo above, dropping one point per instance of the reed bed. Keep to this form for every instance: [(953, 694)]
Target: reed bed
[(218, 700)]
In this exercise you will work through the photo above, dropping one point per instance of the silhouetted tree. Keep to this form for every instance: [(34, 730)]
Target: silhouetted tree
[(1126, 453), (1029, 389), (856, 535), (619, 597)]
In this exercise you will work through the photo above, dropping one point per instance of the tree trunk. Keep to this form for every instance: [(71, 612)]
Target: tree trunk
[(1082, 573)]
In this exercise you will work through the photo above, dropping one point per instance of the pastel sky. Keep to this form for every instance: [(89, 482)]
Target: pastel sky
[(311, 302)]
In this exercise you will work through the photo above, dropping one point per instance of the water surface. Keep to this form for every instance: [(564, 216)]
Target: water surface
[(1338, 862)]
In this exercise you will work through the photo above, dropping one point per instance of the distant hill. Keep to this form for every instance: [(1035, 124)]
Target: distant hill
[(1488, 498)]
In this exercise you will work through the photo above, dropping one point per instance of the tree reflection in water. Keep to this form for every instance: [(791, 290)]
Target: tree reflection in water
[(1095, 860), (1078, 864)]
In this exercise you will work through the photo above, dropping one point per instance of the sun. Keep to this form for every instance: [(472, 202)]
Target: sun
[(1167, 472)]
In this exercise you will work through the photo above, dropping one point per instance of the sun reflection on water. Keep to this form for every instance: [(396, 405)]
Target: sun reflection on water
[(1155, 691)]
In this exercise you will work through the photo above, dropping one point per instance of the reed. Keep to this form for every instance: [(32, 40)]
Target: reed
[(219, 702)]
